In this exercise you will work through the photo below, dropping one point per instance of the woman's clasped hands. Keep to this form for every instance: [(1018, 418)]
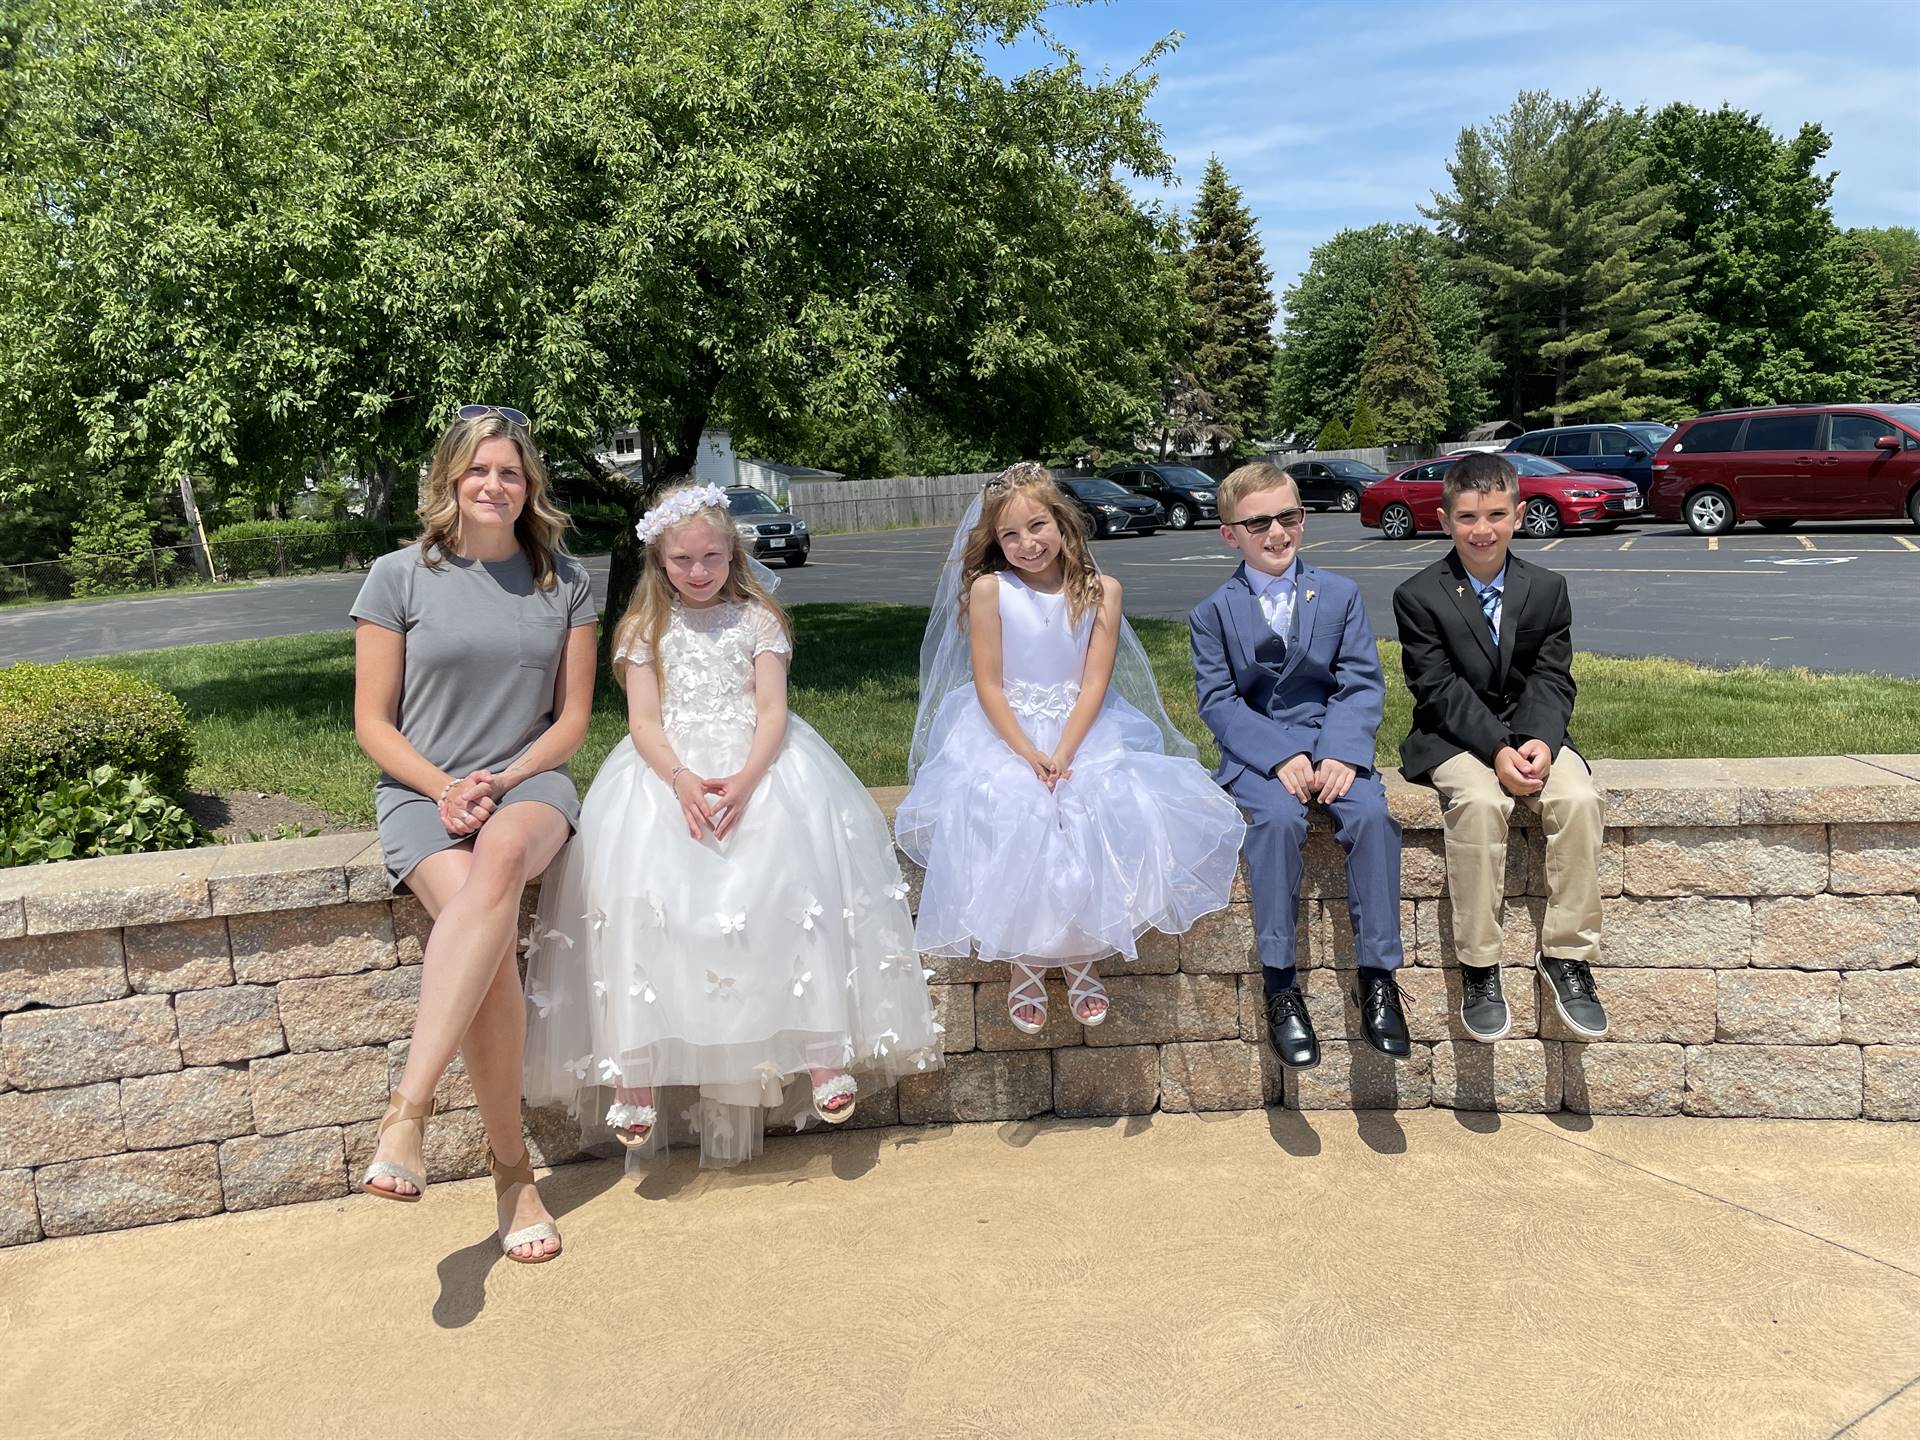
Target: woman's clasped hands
[(467, 803)]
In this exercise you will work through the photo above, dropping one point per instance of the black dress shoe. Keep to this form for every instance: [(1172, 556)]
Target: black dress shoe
[(1380, 1013), (1291, 1031)]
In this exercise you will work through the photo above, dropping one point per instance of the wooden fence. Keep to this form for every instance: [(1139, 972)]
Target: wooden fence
[(896, 503)]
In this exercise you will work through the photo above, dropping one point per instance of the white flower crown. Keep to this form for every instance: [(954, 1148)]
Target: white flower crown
[(681, 506)]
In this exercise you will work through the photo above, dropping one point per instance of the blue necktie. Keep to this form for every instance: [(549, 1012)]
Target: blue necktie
[(1489, 598)]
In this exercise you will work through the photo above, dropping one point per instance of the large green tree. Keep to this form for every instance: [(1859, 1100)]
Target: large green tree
[(1231, 308), (240, 234), (1556, 215), (1329, 317), (1777, 294), (1400, 377)]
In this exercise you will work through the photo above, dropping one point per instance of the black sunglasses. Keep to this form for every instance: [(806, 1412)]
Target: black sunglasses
[(1260, 524), (505, 412)]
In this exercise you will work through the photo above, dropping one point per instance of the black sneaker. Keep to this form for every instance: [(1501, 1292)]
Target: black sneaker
[(1291, 1030), (1483, 1008), (1573, 996)]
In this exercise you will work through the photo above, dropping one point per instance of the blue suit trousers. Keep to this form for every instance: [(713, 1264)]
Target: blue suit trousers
[(1276, 836)]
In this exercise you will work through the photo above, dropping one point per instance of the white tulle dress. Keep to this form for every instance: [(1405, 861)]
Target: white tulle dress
[(731, 965), (1134, 840)]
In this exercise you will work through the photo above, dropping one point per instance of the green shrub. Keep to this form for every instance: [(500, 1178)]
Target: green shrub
[(1333, 436), (274, 547), (1362, 434), (60, 722), (100, 813), (110, 548)]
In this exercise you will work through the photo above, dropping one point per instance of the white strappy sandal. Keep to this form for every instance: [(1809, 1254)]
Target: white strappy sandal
[(833, 1089), (632, 1124), (1027, 988), (1082, 985), (399, 1110), (505, 1177)]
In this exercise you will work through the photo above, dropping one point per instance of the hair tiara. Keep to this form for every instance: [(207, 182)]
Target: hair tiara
[(681, 505)]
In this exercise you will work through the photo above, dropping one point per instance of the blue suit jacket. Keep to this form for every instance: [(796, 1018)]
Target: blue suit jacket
[(1324, 700)]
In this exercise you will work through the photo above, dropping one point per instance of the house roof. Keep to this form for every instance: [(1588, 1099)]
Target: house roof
[(793, 472), (1494, 429)]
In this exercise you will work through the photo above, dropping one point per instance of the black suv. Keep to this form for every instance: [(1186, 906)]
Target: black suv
[(768, 532), (1186, 494), (1332, 484), (1113, 511)]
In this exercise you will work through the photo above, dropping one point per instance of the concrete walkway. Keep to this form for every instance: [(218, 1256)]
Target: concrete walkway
[(1255, 1274)]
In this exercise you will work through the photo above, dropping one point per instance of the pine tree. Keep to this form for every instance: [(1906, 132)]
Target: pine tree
[(1401, 374), (1333, 437), (1231, 307), (1576, 249), (1361, 434)]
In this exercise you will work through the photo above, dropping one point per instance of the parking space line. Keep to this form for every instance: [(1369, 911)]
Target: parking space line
[(1426, 544), (1713, 542), (1903, 542), (1551, 543), (1628, 544), (1806, 541)]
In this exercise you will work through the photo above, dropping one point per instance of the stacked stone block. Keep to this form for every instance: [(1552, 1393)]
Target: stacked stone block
[(218, 1029)]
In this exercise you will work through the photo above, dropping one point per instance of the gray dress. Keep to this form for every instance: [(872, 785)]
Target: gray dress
[(483, 648)]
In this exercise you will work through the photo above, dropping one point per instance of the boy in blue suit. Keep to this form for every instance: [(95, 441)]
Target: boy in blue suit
[(1290, 684)]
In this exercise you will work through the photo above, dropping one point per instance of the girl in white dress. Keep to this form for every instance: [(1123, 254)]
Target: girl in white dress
[(1057, 819), (731, 913)]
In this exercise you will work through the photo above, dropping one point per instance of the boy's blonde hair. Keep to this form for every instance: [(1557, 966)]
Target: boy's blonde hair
[(1251, 479)]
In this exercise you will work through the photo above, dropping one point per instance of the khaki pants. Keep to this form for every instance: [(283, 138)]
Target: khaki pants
[(1476, 811)]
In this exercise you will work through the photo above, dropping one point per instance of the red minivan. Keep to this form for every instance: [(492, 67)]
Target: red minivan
[(1779, 464)]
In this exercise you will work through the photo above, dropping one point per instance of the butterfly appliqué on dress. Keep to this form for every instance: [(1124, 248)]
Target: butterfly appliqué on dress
[(732, 924), (721, 987)]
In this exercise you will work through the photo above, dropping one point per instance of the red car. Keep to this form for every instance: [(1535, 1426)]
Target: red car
[(1785, 463), (1553, 498)]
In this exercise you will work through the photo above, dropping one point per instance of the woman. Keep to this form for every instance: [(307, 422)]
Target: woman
[(473, 679)]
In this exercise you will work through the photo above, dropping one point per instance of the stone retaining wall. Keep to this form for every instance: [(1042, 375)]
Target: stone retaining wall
[(218, 1029)]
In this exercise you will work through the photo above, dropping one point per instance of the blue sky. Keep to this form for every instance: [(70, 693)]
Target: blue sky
[(1338, 115)]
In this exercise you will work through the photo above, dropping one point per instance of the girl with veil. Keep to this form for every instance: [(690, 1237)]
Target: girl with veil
[(1057, 812)]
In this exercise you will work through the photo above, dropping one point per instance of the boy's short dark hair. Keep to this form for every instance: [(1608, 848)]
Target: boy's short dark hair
[(1479, 470)]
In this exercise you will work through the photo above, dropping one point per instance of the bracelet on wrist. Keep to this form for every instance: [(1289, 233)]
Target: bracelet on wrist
[(446, 790), (673, 776)]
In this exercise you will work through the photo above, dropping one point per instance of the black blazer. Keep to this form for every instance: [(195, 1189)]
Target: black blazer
[(1466, 696)]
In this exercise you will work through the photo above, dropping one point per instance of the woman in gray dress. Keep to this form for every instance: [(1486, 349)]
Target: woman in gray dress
[(473, 679)]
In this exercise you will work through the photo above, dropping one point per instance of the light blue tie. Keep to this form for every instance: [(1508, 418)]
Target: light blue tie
[(1489, 600)]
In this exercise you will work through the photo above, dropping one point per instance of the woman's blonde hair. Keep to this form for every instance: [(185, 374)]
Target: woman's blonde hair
[(541, 527), (651, 607), (1079, 576)]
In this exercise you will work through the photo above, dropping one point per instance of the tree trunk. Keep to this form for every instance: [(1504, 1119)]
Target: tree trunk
[(381, 475), (668, 460)]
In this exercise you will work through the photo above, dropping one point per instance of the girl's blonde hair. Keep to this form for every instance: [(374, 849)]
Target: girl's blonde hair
[(651, 607), (542, 526), (1079, 576)]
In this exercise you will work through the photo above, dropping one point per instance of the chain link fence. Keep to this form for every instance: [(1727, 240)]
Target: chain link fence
[(351, 547)]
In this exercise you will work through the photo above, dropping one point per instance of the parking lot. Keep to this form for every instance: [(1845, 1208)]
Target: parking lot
[(1838, 597)]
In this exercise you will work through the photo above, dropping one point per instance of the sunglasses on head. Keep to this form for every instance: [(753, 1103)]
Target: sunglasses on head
[(505, 412), (1260, 524)]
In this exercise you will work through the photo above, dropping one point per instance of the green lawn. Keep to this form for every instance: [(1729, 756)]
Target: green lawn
[(277, 715)]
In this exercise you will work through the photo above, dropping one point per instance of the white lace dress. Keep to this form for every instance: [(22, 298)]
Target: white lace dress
[(1135, 840), (731, 965)]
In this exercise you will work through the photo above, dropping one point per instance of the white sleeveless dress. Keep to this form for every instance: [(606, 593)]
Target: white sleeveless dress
[(735, 964), (1135, 840)]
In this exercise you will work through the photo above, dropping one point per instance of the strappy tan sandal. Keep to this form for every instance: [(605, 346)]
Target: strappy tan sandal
[(1083, 985), (505, 1177), (399, 1110), (1027, 989)]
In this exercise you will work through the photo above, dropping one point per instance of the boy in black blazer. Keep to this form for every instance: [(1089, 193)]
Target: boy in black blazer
[(1487, 646)]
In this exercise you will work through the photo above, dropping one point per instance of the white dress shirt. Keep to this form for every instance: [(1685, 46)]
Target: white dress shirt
[(1276, 596)]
